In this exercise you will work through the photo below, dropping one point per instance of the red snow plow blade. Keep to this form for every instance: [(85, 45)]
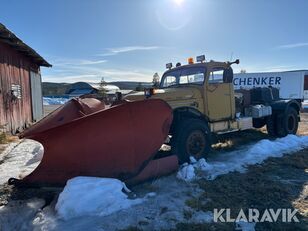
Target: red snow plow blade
[(84, 139)]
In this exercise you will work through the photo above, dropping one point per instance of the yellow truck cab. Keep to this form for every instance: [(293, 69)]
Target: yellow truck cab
[(204, 102)]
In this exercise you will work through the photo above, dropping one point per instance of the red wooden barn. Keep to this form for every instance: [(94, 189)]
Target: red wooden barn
[(21, 100)]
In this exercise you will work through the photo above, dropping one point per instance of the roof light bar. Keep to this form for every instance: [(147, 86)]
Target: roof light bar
[(169, 65), (190, 60), (201, 58)]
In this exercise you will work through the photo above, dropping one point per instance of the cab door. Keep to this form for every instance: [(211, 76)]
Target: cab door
[(219, 96)]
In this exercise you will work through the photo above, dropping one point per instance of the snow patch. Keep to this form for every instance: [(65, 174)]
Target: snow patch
[(187, 172), (19, 159), (200, 217), (162, 209), (240, 159), (150, 194), (54, 101), (17, 215), (90, 196)]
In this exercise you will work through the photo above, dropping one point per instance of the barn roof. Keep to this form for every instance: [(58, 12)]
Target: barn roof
[(11, 39)]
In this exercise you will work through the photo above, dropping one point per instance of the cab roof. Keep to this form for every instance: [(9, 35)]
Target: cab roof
[(204, 64)]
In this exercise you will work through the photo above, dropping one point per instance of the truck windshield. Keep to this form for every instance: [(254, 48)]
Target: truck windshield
[(192, 75)]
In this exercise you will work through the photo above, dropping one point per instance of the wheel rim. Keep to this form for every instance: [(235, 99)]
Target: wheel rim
[(196, 144)]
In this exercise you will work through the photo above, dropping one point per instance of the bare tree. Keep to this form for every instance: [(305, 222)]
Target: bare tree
[(155, 80), (102, 88), (243, 71)]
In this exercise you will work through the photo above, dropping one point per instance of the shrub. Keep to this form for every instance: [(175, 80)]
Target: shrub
[(3, 136)]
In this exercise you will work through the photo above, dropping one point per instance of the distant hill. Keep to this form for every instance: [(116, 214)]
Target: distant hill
[(130, 85), (59, 89), (54, 89)]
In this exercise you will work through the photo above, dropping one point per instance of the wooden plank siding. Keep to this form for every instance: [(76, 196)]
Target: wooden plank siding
[(15, 68)]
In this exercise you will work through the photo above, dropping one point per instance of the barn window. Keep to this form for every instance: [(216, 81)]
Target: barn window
[(16, 90)]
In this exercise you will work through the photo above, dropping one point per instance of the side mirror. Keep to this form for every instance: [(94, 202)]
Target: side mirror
[(235, 62), (228, 75)]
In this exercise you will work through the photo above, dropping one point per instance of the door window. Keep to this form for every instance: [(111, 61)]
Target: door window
[(169, 81), (216, 76), (191, 75)]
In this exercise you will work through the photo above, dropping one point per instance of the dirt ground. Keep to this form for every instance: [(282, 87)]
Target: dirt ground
[(5, 140), (276, 183), (303, 128)]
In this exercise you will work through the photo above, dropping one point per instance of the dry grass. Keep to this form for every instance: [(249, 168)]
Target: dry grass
[(6, 139), (303, 127), (231, 141), (301, 203), (3, 138), (277, 183), (3, 135), (9, 193)]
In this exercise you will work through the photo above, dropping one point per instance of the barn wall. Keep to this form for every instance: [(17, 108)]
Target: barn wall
[(15, 68)]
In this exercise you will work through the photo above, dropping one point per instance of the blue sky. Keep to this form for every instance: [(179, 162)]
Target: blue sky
[(133, 39)]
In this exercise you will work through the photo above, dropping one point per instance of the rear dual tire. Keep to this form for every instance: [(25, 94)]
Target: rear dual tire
[(287, 123), (284, 123), (258, 123)]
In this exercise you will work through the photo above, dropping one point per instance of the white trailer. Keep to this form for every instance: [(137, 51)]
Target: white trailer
[(291, 84)]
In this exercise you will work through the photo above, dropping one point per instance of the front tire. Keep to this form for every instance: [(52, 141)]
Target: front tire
[(192, 138)]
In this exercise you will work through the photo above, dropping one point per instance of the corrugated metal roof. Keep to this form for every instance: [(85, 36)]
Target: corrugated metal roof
[(12, 40)]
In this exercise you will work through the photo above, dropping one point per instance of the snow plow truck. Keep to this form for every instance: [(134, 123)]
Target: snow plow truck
[(193, 102), (204, 103)]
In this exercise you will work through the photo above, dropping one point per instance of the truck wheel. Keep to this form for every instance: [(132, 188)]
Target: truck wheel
[(193, 138), (271, 126), (258, 123), (287, 123)]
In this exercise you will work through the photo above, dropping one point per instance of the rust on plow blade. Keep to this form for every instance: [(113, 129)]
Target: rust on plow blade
[(84, 139)]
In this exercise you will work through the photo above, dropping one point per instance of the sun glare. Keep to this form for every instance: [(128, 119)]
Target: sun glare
[(178, 2)]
